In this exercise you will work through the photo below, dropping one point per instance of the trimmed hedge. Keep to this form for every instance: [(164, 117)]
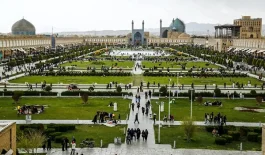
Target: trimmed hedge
[(210, 128), (48, 131), (61, 128), (32, 126), (252, 137), (258, 130), (228, 138), (76, 73), (30, 93), (77, 93), (259, 138), (58, 139), (54, 135), (244, 130), (220, 141), (235, 135), (204, 75)]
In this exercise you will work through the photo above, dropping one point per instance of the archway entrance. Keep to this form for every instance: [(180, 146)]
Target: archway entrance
[(137, 39), (164, 34)]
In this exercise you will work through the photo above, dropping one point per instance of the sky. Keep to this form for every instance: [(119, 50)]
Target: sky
[(91, 15)]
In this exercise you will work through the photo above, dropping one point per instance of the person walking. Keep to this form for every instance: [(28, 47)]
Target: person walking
[(73, 148), (136, 118), (143, 135), (66, 143), (132, 106), (146, 134), (154, 117), (138, 105), (143, 110), (63, 144), (49, 143), (119, 118)]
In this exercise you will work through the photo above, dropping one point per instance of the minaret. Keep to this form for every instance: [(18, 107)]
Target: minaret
[(132, 25), (143, 25), (160, 28)]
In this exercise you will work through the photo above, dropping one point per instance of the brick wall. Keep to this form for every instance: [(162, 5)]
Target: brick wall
[(8, 138)]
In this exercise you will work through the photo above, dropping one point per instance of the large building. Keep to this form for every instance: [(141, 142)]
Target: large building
[(176, 30), (23, 27), (8, 138), (250, 28), (138, 36)]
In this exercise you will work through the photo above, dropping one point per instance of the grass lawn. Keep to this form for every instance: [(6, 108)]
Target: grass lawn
[(181, 109), (73, 79), (120, 64), (202, 81), (150, 64), (63, 108), (201, 140)]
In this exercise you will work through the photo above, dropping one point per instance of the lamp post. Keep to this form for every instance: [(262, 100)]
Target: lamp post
[(169, 101), (191, 90), (159, 108)]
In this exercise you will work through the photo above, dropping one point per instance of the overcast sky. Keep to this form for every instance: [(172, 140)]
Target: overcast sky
[(85, 15)]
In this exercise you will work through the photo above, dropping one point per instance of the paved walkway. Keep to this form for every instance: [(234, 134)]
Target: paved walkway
[(160, 150)]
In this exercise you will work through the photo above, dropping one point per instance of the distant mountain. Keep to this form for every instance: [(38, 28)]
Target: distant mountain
[(192, 28)]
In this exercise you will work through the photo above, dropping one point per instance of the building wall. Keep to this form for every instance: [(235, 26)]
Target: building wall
[(249, 43), (8, 138), (250, 27), (263, 140)]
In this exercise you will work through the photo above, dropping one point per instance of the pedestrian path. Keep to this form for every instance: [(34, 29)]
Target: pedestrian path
[(55, 121), (137, 70), (124, 150)]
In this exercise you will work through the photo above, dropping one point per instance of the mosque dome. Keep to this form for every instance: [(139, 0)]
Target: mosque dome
[(23, 27), (177, 25)]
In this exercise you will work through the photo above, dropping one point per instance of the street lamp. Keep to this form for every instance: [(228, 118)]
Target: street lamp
[(159, 108), (169, 101), (191, 90)]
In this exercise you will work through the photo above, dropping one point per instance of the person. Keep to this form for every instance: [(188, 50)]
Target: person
[(165, 118), (95, 119), (143, 110), (136, 118), (66, 143), (49, 144), (146, 134), (73, 148), (138, 132), (44, 145), (132, 106), (154, 117), (214, 132), (224, 119), (119, 118), (73, 139), (63, 144), (138, 105), (143, 135)]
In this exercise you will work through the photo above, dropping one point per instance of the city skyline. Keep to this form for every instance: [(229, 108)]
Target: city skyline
[(80, 15)]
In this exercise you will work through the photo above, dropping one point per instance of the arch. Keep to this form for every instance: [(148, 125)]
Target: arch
[(251, 36), (164, 34), (137, 38)]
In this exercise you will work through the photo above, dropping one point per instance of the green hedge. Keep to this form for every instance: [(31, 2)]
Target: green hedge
[(235, 135), (76, 93), (54, 135), (48, 131), (228, 138), (76, 73), (210, 128), (32, 126), (258, 130), (244, 130), (30, 93), (252, 137), (259, 138), (220, 141), (165, 74), (58, 139), (61, 128)]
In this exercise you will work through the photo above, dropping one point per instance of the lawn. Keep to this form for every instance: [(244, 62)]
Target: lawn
[(202, 81), (63, 108), (73, 79), (150, 64), (181, 109), (98, 64), (97, 132), (201, 140)]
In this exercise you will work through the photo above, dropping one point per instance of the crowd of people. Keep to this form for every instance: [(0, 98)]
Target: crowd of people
[(218, 119), (25, 109), (135, 134)]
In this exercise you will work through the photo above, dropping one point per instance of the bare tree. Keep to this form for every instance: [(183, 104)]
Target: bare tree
[(16, 96), (259, 100), (84, 98), (31, 141), (189, 128)]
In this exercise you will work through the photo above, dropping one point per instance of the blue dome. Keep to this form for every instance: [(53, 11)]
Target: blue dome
[(177, 25)]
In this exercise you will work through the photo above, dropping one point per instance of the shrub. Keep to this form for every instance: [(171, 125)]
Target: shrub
[(235, 135), (228, 128), (119, 89), (193, 94), (220, 141), (228, 138), (210, 128), (61, 128), (49, 130), (258, 130), (259, 138), (54, 135), (253, 92), (252, 137), (163, 91), (217, 92), (244, 131), (48, 88), (58, 139)]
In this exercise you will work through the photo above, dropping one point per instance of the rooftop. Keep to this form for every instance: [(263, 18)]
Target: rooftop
[(5, 125)]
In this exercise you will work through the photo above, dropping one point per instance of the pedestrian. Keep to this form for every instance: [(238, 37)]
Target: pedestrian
[(138, 133), (154, 117), (63, 144), (73, 148), (143, 110), (136, 118), (146, 134), (143, 135), (138, 105), (49, 144), (119, 118), (225, 120), (132, 106)]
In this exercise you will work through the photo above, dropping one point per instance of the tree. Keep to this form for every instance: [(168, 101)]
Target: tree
[(163, 90), (189, 128), (119, 89), (193, 94), (84, 98), (16, 96), (259, 100), (30, 141), (217, 92)]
